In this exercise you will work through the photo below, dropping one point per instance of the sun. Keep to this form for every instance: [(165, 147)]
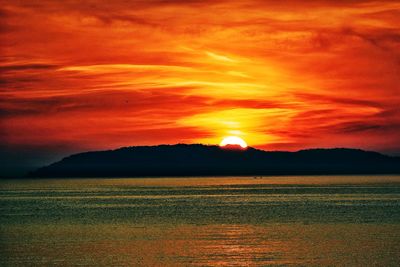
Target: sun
[(233, 140)]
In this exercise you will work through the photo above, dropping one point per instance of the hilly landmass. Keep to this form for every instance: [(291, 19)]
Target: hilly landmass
[(203, 160)]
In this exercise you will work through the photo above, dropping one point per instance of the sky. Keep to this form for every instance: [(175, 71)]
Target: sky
[(282, 75)]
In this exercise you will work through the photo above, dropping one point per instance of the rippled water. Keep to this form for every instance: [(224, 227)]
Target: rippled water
[(230, 221)]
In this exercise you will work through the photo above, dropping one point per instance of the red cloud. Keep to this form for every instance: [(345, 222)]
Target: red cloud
[(320, 73)]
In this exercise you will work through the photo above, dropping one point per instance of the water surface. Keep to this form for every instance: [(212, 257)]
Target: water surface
[(229, 221)]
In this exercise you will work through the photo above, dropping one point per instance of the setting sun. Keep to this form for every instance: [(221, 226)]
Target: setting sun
[(233, 140)]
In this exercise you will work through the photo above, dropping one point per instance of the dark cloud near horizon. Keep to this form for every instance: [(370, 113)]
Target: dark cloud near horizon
[(23, 67)]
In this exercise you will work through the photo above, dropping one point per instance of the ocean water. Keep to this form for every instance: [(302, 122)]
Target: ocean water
[(225, 221)]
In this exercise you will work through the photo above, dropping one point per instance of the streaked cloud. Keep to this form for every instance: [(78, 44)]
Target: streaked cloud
[(282, 75)]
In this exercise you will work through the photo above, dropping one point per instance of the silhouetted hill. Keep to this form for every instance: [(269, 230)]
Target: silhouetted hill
[(202, 160)]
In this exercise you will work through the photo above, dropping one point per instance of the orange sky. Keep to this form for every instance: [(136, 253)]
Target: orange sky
[(283, 75)]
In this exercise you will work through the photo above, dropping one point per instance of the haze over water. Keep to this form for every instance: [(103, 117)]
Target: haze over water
[(229, 221)]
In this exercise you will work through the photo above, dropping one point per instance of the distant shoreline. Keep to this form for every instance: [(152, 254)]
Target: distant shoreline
[(27, 177), (207, 161)]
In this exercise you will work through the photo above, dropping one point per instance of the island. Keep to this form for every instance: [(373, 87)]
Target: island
[(208, 160)]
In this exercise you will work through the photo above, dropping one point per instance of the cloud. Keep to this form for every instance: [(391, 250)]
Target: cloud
[(337, 100), (283, 74), (24, 67)]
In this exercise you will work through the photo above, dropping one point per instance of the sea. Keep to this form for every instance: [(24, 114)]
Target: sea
[(201, 221)]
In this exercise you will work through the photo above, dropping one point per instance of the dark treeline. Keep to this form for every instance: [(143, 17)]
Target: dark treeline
[(202, 160)]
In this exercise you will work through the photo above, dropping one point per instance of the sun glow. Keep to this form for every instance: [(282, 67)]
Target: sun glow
[(233, 140), (270, 72)]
